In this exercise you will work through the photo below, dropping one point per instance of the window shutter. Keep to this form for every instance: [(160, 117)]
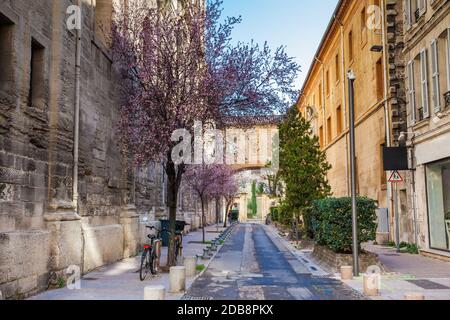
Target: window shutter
[(411, 91), (408, 7), (448, 59), (435, 75), (424, 82)]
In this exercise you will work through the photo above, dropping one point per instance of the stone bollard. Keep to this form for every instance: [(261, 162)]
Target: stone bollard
[(1, 296), (154, 293), (415, 296), (190, 264), (371, 284), (346, 273), (177, 279)]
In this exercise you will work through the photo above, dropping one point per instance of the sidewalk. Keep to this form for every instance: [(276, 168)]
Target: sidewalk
[(408, 273), (405, 273), (120, 281)]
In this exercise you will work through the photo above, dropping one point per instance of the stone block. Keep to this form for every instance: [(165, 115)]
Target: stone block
[(103, 245)]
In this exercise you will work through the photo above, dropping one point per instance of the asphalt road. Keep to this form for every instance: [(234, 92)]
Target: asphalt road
[(254, 265)]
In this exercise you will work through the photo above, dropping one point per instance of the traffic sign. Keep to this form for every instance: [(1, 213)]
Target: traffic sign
[(395, 177)]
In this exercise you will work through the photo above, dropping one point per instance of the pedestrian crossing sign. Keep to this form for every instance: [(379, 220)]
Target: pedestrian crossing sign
[(395, 177)]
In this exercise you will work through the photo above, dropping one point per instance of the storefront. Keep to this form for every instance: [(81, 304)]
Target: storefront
[(438, 199)]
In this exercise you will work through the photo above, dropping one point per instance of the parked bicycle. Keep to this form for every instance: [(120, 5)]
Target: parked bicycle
[(151, 255), (178, 243)]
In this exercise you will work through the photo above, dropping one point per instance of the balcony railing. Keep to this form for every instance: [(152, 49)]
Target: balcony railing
[(447, 99)]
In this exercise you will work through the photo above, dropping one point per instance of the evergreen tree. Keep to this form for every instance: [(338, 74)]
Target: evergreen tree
[(303, 168)]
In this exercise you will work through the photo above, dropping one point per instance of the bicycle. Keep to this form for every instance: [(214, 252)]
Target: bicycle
[(150, 256), (178, 243)]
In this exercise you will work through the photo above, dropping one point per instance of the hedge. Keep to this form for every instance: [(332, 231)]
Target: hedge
[(331, 222)]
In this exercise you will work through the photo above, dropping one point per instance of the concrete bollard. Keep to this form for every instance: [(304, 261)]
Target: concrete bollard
[(371, 284), (346, 273), (154, 293), (190, 263), (177, 279), (1, 296), (415, 296)]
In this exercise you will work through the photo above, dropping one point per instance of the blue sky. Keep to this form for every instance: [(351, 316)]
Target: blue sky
[(297, 24)]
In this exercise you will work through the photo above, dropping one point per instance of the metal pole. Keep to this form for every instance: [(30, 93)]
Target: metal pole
[(351, 80), (397, 224)]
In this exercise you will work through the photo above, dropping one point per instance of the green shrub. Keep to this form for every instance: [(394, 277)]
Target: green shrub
[(331, 222)]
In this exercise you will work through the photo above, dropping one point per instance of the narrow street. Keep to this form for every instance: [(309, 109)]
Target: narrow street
[(254, 265)]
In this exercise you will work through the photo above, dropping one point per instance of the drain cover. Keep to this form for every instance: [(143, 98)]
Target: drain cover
[(428, 285), (192, 298)]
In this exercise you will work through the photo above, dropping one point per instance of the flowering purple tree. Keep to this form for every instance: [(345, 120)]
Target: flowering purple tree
[(178, 66)]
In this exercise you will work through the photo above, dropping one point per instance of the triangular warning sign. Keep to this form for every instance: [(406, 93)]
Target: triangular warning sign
[(395, 177)]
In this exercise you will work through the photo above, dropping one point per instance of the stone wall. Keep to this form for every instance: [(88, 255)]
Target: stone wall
[(335, 261)]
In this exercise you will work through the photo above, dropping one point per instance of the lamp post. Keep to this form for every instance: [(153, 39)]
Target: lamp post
[(351, 80)]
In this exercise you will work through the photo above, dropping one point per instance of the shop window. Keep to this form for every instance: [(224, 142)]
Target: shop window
[(6, 53), (37, 75), (438, 193)]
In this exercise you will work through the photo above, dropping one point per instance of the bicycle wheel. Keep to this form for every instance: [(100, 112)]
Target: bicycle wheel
[(145, 265), (154, 263)]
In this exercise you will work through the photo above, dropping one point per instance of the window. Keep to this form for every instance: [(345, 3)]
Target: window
[(339, 120), (421, 7), (329, 130), (363, 27), (435, 76), (327, 83), (411, 91), (336, 68), (438, 194), (380, 79), (320, 95), (383, 177), (321, 137), (6, 53), (37, 73), (424, 82), (414, 9), (350, 46)]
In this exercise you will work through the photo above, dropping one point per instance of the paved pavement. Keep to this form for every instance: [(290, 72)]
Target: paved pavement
[(255, 265), (120, 281)]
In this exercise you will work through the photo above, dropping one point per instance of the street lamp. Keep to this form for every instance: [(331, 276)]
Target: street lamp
[(351, 80)]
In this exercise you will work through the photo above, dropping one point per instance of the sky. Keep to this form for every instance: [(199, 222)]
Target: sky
[(297, 24)]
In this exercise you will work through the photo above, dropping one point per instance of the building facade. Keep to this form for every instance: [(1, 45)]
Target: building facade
[(427, 60), (353, 41), (68, 196)]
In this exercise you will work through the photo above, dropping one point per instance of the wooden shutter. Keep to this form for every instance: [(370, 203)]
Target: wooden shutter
[(435, 76), (411, 91)]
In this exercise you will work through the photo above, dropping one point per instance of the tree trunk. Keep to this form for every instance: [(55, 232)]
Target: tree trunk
[(174, 181), (217, 211)]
